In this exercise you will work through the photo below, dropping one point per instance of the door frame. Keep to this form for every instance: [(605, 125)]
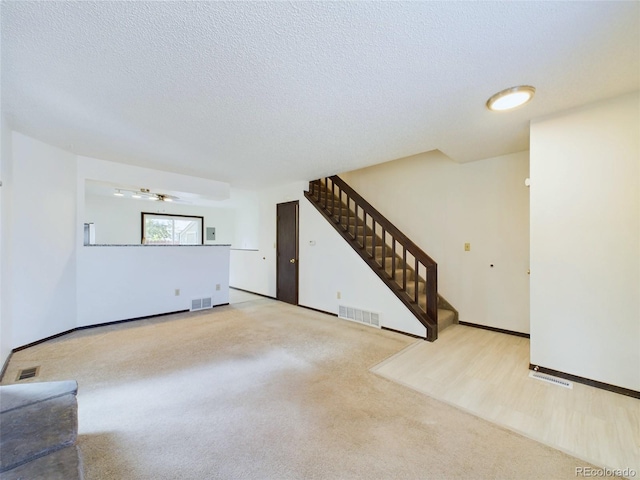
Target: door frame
[(297, 256)]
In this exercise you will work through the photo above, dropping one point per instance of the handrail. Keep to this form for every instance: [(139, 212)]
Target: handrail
[(382, 220), (423, 303)]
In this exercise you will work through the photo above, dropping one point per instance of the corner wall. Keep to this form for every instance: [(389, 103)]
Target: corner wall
[(585, 242), (42, 228), (441, 205), (5, 241)]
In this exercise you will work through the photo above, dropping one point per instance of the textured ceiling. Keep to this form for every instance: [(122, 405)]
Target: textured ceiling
[(248, 93)]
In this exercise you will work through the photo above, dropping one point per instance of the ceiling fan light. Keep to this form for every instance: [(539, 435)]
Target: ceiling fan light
[(118, 193), (511, 98), (165, 199)]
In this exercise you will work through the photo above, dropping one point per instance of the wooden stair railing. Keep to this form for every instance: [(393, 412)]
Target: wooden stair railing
[(408, 271)]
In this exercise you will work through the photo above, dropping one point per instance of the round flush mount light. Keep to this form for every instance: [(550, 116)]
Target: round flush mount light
[(511, 98)]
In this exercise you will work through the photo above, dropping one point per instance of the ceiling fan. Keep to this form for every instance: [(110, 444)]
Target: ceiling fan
[(147, 194)]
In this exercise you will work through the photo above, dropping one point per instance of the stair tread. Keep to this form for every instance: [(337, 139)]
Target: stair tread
[(446, 318)]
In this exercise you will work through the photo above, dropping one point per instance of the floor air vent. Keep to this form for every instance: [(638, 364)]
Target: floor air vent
[(27, 373), (551, 379), (360, 316), (201, 303)]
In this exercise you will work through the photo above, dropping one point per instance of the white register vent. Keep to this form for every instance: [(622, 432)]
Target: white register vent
[(358, 315), (201, 303), (561, 382)]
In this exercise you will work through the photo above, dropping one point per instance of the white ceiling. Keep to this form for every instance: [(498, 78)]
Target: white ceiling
[(264, 92)]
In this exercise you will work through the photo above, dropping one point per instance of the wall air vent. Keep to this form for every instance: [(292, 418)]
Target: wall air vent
[(27, 373), (360, 316), (551, 379), (201, 303)]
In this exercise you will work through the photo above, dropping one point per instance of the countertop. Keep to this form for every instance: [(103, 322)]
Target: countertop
[(146, 245)]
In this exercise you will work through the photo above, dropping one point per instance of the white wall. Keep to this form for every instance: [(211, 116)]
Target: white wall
[(247, 219), (117, 219), (328, 265), (324, 268), (5, 241), (120, 283), (5, 174), (441, 205), (42, 227), (585, 242), (41, 235), (255, 270)]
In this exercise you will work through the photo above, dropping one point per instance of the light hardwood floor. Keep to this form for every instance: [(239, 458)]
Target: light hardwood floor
[(486, 373)]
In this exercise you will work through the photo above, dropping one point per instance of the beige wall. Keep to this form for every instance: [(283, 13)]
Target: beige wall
[(585, 241), (441, 205)]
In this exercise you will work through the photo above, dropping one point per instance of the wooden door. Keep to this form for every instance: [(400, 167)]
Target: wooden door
[(287, 252)]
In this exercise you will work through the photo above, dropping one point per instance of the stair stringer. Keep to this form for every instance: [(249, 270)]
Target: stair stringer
[(332, 265)]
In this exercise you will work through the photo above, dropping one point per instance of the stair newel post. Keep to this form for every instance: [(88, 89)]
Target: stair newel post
[(431, 277)]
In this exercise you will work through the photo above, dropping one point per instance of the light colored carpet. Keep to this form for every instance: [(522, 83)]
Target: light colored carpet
[(265, 390)]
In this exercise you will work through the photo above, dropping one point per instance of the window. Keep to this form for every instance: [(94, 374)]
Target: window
[(159, 229)]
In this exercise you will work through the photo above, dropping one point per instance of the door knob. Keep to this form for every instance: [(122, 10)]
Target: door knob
[(293, 260)]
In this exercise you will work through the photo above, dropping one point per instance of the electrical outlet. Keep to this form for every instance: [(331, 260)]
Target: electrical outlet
[(467, 247), (217, 286), (177, 292), (338, 295)]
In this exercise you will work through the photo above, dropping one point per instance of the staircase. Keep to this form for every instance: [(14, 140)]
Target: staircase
[(408, 271)]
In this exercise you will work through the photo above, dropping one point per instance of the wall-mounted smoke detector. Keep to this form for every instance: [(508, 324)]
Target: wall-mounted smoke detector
[(511, 98)]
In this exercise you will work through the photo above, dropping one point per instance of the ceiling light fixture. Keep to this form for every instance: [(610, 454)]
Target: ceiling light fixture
[(118, 193), (511, 98), (136, 195)]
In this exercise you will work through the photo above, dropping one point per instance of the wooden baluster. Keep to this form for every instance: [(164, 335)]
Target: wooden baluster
[(356, 222), (326, 192), (415, 278), (393, 259), (364, 229), (404, 268), (348, 210), (384, 247), (373, 239), (340, 208), (333, 198)]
